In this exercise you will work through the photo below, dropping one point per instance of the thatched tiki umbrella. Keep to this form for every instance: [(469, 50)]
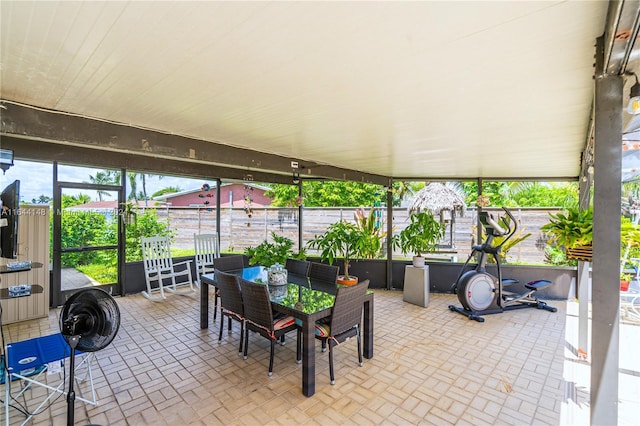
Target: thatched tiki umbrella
[(442, 201)]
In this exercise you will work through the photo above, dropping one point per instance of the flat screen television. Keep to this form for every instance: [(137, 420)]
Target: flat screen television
[(10, 197)]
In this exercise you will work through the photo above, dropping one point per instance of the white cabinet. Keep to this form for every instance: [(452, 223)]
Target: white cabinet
[(33, 245), (416, 285)]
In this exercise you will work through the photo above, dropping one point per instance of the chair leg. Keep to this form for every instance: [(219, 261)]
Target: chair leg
[(331, 372), (299, 348), (246, 343), (282, 340), (324, 345), (242, 331), (221, 326), (215, 302), (359, 347), (273, 347), (229, 324)]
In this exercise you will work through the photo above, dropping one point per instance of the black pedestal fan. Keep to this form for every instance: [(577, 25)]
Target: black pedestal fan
[(89, 321)]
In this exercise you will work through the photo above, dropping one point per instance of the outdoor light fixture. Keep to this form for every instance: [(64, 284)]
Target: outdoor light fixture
[(634, 98), (6, 159), (296, 178)]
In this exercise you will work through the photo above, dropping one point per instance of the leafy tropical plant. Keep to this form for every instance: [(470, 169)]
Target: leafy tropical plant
[(570, 228), (372, 233), (422, 235), (269, 253)]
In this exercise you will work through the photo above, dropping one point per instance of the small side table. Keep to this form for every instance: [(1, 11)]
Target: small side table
[(416, 285)]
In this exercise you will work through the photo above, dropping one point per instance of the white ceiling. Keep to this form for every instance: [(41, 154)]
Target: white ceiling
[(403, 89)]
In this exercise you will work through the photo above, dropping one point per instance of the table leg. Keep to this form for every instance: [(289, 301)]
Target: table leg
[(308, 358), (368, 329), (204, 305)]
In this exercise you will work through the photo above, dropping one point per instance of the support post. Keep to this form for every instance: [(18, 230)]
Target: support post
[(606, 245)]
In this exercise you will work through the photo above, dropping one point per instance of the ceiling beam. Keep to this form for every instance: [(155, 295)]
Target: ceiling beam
[(67, 130), (29, 149)]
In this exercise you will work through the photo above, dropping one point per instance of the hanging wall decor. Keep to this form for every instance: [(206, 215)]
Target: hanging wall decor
[(248, 201), (205, 194)]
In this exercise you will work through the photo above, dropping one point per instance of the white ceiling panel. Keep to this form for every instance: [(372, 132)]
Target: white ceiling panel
[(412, 89)]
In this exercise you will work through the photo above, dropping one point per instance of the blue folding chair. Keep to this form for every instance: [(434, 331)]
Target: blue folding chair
[(28, 360)]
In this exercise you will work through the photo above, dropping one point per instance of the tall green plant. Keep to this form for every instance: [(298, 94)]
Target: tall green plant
[(341, 239)]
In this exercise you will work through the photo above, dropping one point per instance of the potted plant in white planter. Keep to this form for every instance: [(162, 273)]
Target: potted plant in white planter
[(422, 235)]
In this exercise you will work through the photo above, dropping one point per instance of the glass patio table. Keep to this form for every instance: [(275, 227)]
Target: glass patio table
[(307, 300)]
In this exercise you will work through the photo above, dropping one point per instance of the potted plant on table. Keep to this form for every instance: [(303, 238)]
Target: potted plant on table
[(272, 253), (572, 229), (422, 235)]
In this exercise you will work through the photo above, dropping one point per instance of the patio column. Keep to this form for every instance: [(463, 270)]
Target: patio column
[(606, 244), (300, 210)]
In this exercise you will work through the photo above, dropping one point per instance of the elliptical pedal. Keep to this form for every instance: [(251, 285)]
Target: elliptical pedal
[(537, 284)]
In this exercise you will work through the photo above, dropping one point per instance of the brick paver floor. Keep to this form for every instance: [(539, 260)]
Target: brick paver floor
[(430, 366)]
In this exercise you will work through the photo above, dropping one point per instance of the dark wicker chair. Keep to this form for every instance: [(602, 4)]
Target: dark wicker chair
[(229, 263), (344, 322), (323, 272), (231, 305), (299, 267), (259, 318)]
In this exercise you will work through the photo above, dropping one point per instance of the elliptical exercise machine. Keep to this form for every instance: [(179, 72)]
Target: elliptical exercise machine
[(479, 292)]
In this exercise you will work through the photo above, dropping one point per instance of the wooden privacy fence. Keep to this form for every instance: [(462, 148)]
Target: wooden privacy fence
[(239, 231)]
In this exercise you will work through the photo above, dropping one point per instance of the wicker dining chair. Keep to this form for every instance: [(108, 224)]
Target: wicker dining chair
[(229, 263), (299, 267), (259, 318), (231, 304), (323, 272), (344, 323)]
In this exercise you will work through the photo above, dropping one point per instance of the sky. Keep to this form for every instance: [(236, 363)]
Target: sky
[(37, 179)]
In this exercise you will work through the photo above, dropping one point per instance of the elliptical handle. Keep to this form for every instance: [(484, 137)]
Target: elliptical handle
[(510, 231), (513, 220), (498, 230)]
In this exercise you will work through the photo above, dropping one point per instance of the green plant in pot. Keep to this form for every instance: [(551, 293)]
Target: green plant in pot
[(422, 235), (572, 229), (271, 253), (341, 239)]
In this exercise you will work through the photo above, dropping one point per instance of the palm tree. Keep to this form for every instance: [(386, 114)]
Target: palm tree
[(133, 181), (106, 177)]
